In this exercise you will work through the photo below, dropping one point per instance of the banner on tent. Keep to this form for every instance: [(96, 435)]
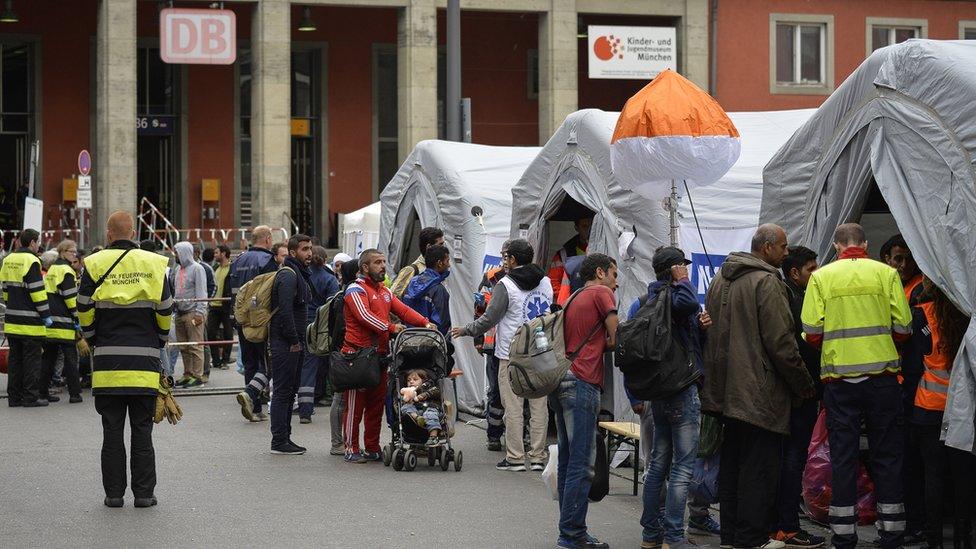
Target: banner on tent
[(706, 259), (493, 252)]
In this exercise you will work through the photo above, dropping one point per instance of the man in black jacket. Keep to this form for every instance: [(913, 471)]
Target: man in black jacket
[(799, 264), (290, 296)]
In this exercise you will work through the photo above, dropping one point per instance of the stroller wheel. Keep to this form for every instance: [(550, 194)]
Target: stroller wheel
[(410, 461), (431, 457), (445, 458), (387, 455), (397, 459), (457, 461)]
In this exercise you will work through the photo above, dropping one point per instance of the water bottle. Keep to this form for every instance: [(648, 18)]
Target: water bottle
[(541, 341)]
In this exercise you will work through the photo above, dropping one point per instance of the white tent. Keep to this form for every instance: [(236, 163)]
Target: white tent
[(905, 120), (466, 190), (576, 163), (360, 230)]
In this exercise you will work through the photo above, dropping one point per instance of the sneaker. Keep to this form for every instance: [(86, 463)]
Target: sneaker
[(247, 406), (183, 380), (337, 450), (651, 544), (75, 399), (433, 442), (505, 465), (773, 544), (261, 416), (193, 382), (589, 542), (305, 420), (704, 526), (372, 456), (800, 539), (354, 457), (494, 445), (287, 449), (537, 466), (302, 448), (52, 398)]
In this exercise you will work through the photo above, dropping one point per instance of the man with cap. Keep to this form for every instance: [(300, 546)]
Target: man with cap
[(675, 418)]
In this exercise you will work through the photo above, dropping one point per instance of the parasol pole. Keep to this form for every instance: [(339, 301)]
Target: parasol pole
[(673, 210)]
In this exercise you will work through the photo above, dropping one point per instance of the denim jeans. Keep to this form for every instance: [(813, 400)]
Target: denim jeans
[(432, 418), (675, 447), (575, 404)]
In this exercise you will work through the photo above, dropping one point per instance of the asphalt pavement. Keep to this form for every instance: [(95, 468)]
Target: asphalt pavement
[(219, 486)]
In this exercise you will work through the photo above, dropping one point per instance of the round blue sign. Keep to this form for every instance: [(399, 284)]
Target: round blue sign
[(84, 162)]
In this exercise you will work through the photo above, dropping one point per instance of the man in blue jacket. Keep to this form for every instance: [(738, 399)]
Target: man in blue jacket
[(257, 260), (426, 293), (322, 285)]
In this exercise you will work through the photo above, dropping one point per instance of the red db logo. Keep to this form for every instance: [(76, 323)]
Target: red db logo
[(205, 37)]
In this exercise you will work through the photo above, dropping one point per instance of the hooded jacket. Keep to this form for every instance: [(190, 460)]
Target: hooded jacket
[(523, 294), (426, 295), (189, 281), (753, 368)]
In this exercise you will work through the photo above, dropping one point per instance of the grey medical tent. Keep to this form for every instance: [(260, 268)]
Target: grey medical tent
[(906, 118)]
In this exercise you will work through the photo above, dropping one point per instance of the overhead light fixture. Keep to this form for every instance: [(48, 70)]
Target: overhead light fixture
[(9, 15), (306, 24)]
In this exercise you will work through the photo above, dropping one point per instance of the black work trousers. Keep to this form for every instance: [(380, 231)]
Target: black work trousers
[(795, 449), (70, 372), (25, 371), (747, 483), (285, 368), (256, 373), (913, 479), (877, 402), (113, 409), (220, 328), (937, 458)]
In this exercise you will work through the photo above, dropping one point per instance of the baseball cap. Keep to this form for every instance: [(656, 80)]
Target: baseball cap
[(667, 257)]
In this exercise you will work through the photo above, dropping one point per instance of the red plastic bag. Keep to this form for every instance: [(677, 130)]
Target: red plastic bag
[(816, 480)]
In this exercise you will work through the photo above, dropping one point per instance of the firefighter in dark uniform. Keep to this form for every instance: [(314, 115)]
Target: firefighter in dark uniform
[(27, 315), (125, 308)]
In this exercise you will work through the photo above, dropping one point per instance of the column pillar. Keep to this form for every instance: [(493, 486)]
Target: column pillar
[(271, 113), (416, 74), (558, 66), (114, 176), (694, 42)]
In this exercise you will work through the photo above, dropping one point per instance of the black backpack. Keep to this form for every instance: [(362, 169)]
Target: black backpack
[(650, 354)]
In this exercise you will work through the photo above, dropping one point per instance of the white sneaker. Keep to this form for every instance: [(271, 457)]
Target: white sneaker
[(774, 544)]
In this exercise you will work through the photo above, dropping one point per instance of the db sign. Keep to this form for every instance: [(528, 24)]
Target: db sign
[(203, 37)]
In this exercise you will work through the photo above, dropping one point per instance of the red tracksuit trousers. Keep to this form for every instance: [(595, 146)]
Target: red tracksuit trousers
[(369, 403)]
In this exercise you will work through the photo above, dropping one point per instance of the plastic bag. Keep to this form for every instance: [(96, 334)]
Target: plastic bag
[(549, 474), (816, 480)]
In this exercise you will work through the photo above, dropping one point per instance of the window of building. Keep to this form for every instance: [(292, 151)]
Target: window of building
[(801, 54), (883, 31), (244, 107), (16, 129), (967, 30), (386, 156)]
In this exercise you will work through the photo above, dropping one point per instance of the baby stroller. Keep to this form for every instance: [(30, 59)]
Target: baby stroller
[(418, 349)]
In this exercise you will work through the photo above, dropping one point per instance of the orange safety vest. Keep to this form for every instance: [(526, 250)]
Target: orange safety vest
[(489, 343), (934, 386)]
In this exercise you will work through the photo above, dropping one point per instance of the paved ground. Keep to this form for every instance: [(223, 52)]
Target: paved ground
[(220, 487)]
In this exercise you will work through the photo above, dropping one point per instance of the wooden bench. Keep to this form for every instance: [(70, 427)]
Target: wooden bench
[(623, 431)]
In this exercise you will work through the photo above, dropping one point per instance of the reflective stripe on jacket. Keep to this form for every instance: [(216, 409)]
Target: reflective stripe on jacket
[(24, 295), (856, 306), (934, 386), (62, 292), (126, 319)]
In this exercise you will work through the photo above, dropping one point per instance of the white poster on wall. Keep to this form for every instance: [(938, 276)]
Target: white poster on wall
[(638, 53)]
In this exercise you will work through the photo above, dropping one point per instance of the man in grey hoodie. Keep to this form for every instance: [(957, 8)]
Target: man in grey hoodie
[(189, 281)]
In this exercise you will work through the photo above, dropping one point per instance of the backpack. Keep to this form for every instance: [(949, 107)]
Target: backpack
[(320, 335), (534, 372), (650, 354), (252, 308)]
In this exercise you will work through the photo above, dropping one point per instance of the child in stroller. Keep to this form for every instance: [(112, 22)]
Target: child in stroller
[(421, 403)]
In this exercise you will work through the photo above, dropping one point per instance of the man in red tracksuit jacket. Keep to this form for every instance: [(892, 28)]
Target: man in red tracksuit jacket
[(368, 304)]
